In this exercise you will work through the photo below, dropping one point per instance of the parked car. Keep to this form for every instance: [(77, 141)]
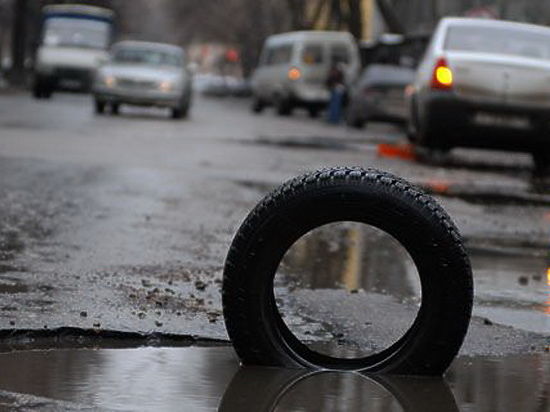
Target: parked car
[(379, 95), (144, 74), (74, 42), (484, 83), (294, 67)]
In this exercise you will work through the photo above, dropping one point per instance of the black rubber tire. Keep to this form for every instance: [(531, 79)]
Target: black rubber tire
[(313, 112), (99, 106), (352, 120), (541, 160), (37, 92), (115, 108), (176, 113), (376, 198), (258, 105), (283, 106)]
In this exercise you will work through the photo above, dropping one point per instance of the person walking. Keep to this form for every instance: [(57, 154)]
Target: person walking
[(336, 85)]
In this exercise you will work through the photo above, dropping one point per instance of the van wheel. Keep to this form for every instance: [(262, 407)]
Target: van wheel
[(37, 91), (313, 112), (258, 105), (254, 323), (115, 108), (541, 159), (354, 121), (283, 107), (99, 106)]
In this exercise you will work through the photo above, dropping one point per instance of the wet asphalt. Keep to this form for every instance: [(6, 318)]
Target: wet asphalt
[(116, 227)]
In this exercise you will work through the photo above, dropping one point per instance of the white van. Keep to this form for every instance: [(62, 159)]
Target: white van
[(74, 42), (294, 67)]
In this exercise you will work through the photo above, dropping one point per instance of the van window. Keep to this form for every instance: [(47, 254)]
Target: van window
[(312, 54), (339, 53), (278, 55)]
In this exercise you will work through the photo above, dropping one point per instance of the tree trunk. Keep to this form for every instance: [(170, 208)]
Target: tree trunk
[(19, 42), (355, 18), (395, 25)]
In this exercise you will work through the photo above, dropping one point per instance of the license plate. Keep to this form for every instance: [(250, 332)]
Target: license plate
[(70, 83), (502, 120)]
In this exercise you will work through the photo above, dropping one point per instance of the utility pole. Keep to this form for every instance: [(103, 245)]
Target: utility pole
[(19, 42)]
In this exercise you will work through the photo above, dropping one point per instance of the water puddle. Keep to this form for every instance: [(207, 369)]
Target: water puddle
[(209, 379)]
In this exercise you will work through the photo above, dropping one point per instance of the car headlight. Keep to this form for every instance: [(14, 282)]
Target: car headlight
[(166, 86), (109, 81)]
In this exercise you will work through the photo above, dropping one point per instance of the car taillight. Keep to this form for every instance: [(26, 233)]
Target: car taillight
[(442, 78)]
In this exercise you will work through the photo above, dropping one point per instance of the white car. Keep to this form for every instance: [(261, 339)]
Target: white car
[(486, 84), (144, 74), (294, 67)]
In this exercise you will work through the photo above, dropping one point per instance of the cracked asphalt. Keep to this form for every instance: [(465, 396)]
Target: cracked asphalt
[(122, 223)]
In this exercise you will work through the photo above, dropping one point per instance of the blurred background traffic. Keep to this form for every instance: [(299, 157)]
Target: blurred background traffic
[(447, 83)]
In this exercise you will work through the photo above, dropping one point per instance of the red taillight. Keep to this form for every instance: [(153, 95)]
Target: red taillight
[(442, 77)]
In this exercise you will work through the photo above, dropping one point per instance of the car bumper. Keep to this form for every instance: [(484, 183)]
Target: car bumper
[(310, 95), (67, 78), (139, 98), (458, 121)]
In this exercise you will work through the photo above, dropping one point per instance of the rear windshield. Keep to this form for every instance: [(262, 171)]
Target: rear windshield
[(146, 56), (498, 40)]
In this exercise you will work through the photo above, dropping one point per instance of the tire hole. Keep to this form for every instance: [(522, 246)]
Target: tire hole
[(347, 290)]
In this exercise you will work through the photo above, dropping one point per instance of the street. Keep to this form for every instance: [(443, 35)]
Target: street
[(118, 226), (122, 223)]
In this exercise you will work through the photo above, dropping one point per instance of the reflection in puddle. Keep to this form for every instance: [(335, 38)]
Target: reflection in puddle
[(200, 379)]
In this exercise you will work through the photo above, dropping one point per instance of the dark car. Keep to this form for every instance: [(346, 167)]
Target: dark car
[(379, 95)]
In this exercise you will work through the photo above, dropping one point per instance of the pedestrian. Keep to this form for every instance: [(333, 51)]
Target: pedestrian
[(336, 86)]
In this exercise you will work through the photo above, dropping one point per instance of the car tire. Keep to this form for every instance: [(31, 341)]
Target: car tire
[(356, 123), (283, 106), (541, 160), (411, 125), (115, 108), (37, 92), (313, 112), (253, 321), (99, 106), (258, 105)]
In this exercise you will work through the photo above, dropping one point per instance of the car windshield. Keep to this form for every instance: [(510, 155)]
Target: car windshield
[(76, 32), (498, 40), (146, 56)]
